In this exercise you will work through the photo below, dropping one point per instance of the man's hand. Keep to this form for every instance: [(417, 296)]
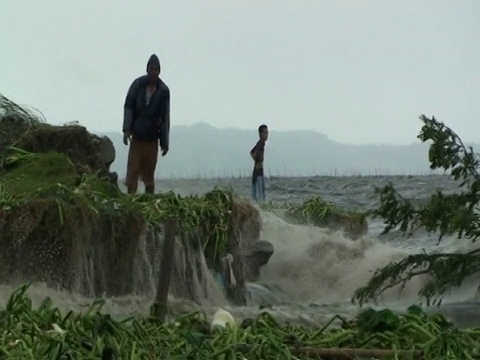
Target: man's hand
[(164, 151), (127, 136)]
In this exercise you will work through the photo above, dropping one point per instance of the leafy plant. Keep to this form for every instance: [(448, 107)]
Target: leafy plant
[(7, 199), (14, 157), (318, 212), (314, 210), (452, 214), (44, 332)]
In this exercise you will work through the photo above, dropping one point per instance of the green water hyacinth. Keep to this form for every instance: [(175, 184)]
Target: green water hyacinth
[(43, 332)]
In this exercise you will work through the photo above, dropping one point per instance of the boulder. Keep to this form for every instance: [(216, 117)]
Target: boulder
[(256, 256), (25, 129), (85, 149), (106, 150)]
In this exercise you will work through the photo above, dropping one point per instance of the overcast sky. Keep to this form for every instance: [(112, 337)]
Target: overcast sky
[(360, 71)]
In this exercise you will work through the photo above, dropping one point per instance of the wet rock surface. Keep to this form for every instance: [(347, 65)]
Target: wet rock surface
[(257, 255), (26, 129)]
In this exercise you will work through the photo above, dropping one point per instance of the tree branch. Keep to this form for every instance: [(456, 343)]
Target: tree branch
[(453, 214)]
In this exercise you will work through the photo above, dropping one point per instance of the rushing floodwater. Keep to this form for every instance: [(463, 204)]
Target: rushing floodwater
[(314, 271)]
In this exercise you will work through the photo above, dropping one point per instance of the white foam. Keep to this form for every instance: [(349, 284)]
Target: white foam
[(318, 265)]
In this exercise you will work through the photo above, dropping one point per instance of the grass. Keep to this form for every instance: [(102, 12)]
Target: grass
[(43, 332), (39, 172)]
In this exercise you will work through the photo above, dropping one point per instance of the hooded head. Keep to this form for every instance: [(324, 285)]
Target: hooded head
[(153, 67)]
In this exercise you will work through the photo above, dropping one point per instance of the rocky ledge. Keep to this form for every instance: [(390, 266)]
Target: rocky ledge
[(64, 221)]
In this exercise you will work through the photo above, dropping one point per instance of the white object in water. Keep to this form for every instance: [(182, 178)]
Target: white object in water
[(221, 318), (229, 261)]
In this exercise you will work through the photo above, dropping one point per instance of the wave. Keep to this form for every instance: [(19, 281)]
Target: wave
[(312, 275), (312, 264)]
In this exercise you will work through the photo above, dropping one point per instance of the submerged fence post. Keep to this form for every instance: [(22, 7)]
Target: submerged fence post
[(159, 309)]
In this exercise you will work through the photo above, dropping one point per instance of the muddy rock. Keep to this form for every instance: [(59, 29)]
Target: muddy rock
[(257, 255), (84, 148), (59, 232), (106, 150)]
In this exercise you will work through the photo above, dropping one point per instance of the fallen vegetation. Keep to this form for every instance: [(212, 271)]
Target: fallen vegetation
[(43, 332), (318, 212)]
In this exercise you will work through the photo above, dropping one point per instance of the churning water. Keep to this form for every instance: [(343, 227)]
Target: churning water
[(313, 272)]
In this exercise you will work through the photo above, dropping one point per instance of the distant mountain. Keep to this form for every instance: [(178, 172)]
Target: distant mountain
[(202, 150)]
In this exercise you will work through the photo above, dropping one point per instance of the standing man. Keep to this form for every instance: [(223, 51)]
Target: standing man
[(146, 122), (257, 154)]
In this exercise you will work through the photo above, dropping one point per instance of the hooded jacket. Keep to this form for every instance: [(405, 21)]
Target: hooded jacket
[(150, 122)]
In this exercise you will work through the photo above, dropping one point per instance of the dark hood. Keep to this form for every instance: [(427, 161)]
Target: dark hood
[(153, 60)]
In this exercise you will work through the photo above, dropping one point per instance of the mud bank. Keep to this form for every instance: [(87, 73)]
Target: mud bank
[(64, 221)]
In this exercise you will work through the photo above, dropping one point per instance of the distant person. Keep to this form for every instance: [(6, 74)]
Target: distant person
[(146, 122), (257, 154)]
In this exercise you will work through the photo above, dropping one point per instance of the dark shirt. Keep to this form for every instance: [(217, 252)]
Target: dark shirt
[(148, 118), (258, 152)]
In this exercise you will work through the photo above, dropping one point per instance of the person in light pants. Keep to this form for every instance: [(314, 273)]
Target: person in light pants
[(257, 153)]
